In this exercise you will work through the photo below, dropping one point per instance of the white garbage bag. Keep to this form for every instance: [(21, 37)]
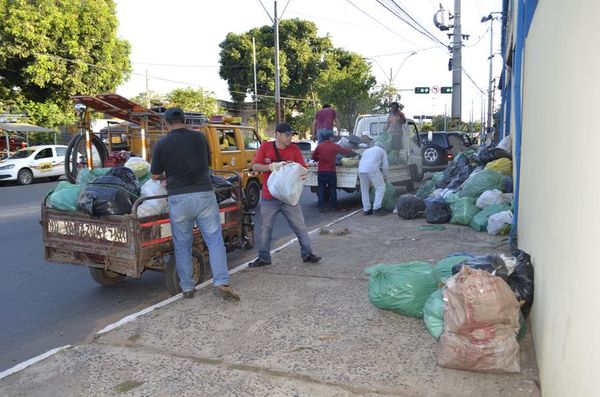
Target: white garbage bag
[(139, 166), (499, 221), (491, 197), (286, 183), (156, 206), (506, 144)]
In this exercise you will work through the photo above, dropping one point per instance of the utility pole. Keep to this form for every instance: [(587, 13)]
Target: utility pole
[(147, 104), (255, 84), (490, 101), (456, 64), (277, 82)]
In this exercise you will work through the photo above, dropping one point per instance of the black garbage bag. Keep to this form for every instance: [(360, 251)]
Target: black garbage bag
[(437, 210), (492, 264), (460, 178), (449, 173), (410, 206), (107, 195), (488, 154), (222, 187), (521, 281), (461, 160), (507, 184), (127, 177), (354, 140)]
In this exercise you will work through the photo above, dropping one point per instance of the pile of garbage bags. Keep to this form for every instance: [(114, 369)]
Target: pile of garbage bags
[(473, 191), (113, 191), (475, 306)]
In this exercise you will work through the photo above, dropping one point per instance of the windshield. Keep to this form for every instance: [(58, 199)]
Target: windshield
[(22, 154)]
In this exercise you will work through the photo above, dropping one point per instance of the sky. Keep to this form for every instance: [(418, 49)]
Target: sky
[(176, 44)]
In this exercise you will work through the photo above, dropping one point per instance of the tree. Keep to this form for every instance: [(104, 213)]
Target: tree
[(191, 100), (301, 51), (345, 82), (154, 98), (53, 49)]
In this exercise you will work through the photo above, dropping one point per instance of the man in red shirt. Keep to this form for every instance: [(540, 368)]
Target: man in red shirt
[(269, 157), (326, 154), (325, 120)]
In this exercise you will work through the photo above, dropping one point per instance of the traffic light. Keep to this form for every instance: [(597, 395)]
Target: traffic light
[(446, 90), (421, 90)]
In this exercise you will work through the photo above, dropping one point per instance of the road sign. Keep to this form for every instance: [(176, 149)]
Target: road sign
[(421, 90), (435, 89), (446, 90)]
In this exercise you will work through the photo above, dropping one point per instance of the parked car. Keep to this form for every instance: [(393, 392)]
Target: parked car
[(443, 147), (25, 165)]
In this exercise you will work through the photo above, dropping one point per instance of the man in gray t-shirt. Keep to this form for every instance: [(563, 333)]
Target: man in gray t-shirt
[(182, 158)]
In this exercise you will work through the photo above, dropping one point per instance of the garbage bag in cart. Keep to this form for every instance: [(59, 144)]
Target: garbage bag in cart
[(111, 194)]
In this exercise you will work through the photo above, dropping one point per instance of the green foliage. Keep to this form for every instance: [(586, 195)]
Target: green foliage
[(345, 82), (426, 127), (49, 47), (48, 114), (153, 97), (193, 100)]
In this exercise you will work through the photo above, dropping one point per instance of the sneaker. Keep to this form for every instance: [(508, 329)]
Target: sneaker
[(189, 294), (312, 258), (369, 212), (380, 211), (225, 292), (259, 263)]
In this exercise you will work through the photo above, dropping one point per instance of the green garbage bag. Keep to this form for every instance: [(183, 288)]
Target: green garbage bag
[(144, 178), (64, 197), (402, 288), (437, 176), (443, 269), (463, 210), (389, 197), (451, 198), (481, 181), (480, 220), (433, 313), (86, 175), (425, 189), (386, 140)]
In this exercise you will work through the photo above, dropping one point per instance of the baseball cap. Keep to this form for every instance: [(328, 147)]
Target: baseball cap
[(367, 134), (174, 113), (285, 128)]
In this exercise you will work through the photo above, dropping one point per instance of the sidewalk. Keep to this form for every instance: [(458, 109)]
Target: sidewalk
[(300, 330)]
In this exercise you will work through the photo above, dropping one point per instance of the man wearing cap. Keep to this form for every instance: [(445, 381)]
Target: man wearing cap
[(182, 158), (324, 122), (326, 154), (372, 169), (270, 156)]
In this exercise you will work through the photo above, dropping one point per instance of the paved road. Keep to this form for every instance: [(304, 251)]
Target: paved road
[(46, 305)]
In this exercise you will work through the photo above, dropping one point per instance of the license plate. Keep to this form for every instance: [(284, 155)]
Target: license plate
[(115, 139)]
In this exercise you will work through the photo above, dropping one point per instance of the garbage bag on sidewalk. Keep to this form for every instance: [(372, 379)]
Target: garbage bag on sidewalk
[(402, 288), (488, 154), (389, 197), (481, 322), (505, 144), (507, 184), (479, 182), (500, 223), (521, 281), (425, 189), (443, 269), (410, 206), (154, 206), (503, 166), (287, 183), (64, 197), (491, 197), (463, 210), (433, 313), (437, 211), (493, 264), (480, 221)]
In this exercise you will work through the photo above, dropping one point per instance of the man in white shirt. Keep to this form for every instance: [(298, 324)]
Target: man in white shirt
[(372, 170)]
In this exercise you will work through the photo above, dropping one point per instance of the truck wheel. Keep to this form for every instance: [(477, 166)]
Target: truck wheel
[(198, 272), (105, 277), (24, 177), (252, 194)]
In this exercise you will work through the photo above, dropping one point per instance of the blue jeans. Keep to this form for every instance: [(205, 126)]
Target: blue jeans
[(202, 209), (327, 179), (293, 213), (320, 133)]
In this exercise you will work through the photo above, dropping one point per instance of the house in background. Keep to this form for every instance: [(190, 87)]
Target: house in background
[(551, 77)]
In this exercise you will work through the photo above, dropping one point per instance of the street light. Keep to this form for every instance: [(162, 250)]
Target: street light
[(400, 67)]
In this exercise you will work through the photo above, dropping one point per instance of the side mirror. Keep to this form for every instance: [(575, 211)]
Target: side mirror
[(430, 136)]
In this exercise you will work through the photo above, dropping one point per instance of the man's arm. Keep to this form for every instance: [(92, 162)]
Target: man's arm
[(159, 177), (314, 130)]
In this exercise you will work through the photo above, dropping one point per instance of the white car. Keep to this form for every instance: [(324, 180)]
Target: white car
[(25, 165)]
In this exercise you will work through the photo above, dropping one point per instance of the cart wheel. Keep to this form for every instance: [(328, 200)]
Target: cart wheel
[(252, 194), (247, 232), (198, 272), (105, 277)]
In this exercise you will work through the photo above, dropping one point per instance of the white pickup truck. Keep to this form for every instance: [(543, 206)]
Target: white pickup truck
[(407, 168)]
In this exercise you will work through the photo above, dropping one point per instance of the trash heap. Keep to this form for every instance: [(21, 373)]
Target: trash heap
[(113, 191), (474, 190), (475, 306)]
